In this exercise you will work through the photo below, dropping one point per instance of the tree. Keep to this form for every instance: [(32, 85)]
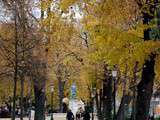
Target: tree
[(114, 38), (145, 87), (18, 49)]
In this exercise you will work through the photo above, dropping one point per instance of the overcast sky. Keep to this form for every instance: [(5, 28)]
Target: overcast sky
[(37, 13)]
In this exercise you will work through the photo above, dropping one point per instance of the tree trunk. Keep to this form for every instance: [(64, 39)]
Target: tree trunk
[(30, 99), (133, 114), (14, 96), (97, 102), (107, 95), (109, 99), (39, 103), (134, 91), (60, 87), (145, 89), (99, 105), (61, 95), (22, 7), (21, 98), (125, 98), (39, 80), (124, 103), (16, 66)]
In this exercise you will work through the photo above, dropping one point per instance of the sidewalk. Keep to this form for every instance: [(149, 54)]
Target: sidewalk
[(56, 116)]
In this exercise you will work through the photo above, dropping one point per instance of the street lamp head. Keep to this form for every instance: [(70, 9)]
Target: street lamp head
[(92, 95), (114, 73), (93, 92), (94, 88), (52, 88)]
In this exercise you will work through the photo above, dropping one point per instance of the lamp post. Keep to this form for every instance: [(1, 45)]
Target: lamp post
[(30, 109), (114, 75), (52, 90), (93, 96)]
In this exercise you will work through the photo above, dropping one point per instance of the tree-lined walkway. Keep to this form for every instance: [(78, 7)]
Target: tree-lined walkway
[(105, 53)]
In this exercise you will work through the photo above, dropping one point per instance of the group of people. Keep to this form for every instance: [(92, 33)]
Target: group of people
[(4, 112), (80, 115)]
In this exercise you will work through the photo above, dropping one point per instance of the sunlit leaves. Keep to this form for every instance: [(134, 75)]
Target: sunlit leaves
[(113, 40), (65, 4)]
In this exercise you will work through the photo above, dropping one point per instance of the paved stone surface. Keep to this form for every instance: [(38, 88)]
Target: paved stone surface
[(57, 116)]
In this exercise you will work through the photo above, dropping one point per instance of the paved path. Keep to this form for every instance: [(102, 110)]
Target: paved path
[(57, 116)]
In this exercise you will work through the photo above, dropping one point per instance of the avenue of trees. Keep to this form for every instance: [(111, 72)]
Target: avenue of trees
[(61, 42)]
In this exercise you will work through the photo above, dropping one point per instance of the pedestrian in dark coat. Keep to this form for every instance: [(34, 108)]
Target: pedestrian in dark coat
[(70, 115), (86, 115), (152, 118), (78, 115)]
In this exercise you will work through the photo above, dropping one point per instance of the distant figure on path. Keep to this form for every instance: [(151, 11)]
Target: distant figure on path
[(86, 115), (65, 103), (152, 118), (79, 113), (70, 115)]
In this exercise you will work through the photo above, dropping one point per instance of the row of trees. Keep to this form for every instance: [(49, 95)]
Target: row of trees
[(109, 35), (19, 39), (35, 49), (121, 37)]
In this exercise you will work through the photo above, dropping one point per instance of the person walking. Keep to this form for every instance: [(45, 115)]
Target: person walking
[(78, 115), (70, 115), (152, 117), (86, 115)]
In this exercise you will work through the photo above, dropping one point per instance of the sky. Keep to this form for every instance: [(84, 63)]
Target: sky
[(78, 14), (5, 17)]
